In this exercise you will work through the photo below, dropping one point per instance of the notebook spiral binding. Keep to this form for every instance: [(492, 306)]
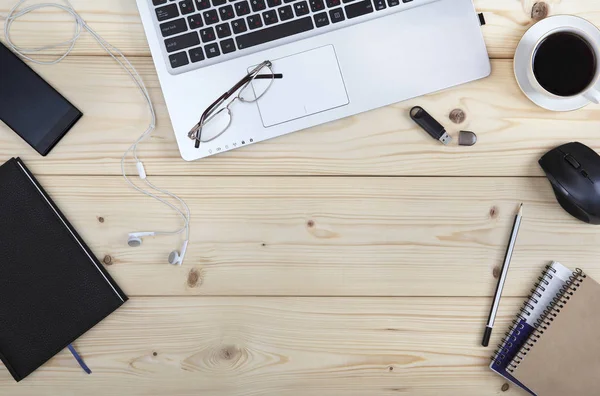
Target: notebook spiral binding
[(558, 303), (524, 311)]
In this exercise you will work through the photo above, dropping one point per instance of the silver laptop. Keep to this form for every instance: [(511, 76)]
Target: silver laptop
[(336, 58)]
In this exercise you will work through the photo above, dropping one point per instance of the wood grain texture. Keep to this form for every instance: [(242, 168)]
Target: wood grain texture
[(281, 346), (119, 23), (329, 236), (513, 133), (314, 285)]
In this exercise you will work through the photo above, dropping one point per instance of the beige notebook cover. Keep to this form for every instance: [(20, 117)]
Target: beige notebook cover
[(563, 356)]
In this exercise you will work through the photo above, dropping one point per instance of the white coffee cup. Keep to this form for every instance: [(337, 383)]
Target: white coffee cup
[(526, 52)]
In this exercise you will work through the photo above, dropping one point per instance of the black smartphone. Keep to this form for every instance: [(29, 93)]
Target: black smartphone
[(30, 106)]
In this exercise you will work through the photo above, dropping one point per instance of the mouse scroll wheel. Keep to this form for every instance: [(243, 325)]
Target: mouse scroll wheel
[(569, 158)]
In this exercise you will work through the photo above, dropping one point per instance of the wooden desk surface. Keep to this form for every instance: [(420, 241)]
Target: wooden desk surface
[(355, 258)]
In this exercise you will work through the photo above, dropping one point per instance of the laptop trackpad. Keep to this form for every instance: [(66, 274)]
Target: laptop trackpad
[(311, 83)]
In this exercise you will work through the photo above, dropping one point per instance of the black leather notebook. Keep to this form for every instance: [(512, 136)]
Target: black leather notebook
[(52, 287)]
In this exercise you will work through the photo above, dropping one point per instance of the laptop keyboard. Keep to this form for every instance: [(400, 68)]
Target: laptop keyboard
[(195, 31)]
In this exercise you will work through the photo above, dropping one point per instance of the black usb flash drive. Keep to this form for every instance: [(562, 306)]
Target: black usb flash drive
[(429, 124)]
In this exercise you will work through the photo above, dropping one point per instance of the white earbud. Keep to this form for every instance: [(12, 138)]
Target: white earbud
[(135, 238), (175, 257)]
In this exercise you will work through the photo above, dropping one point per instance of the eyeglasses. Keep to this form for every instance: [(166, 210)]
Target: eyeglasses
[(216, 119)]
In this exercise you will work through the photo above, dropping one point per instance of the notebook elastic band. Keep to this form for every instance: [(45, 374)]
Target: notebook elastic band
[(79, 359)]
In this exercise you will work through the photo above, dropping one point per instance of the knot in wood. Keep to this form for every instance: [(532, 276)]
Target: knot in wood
[(539, 11), (457, 116), (194, 278)]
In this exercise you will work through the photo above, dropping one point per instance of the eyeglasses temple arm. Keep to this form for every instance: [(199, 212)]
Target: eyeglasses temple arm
[(276, 76)]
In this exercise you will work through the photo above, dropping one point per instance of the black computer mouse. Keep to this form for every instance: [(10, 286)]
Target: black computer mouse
[(574, 172)]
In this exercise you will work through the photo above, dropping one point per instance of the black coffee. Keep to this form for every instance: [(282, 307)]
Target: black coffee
[(564, 64)]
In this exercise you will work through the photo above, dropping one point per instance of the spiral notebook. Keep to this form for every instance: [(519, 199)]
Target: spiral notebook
[(562, 356), (549, 284)]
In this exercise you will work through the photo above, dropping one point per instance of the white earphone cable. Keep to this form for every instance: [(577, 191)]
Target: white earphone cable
[(118, 56)]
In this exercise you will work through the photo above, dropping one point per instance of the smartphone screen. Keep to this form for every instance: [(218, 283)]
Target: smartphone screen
[(30, 106)]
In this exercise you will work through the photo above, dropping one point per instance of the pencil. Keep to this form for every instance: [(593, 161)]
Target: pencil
[(509, 251)]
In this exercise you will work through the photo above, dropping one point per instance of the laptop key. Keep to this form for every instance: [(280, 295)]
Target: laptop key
[(207, 35), (239, 26), (254, 21), (180, 42), (288, 1), (270, 17), (179, 59), (393, 3), (258, 5), (301, 8), (186, 7), (274, 32), (358, 9), (333, 3), (217, 3), (167, 12), (226, 13), (285, 13), (173, 27), (406, 1), (317, 5), (158, 2), (321, 19), (227, 46), (273, 3), (196, 55), (380, 5), (212, 50), (195, 21), (336, 15), (242, 8), (211, 17), (202, 4), (223, 30)]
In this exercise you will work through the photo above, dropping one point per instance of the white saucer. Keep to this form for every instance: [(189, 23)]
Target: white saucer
[(523, 59)]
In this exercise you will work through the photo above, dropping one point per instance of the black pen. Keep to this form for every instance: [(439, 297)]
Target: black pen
[(509, 251)]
